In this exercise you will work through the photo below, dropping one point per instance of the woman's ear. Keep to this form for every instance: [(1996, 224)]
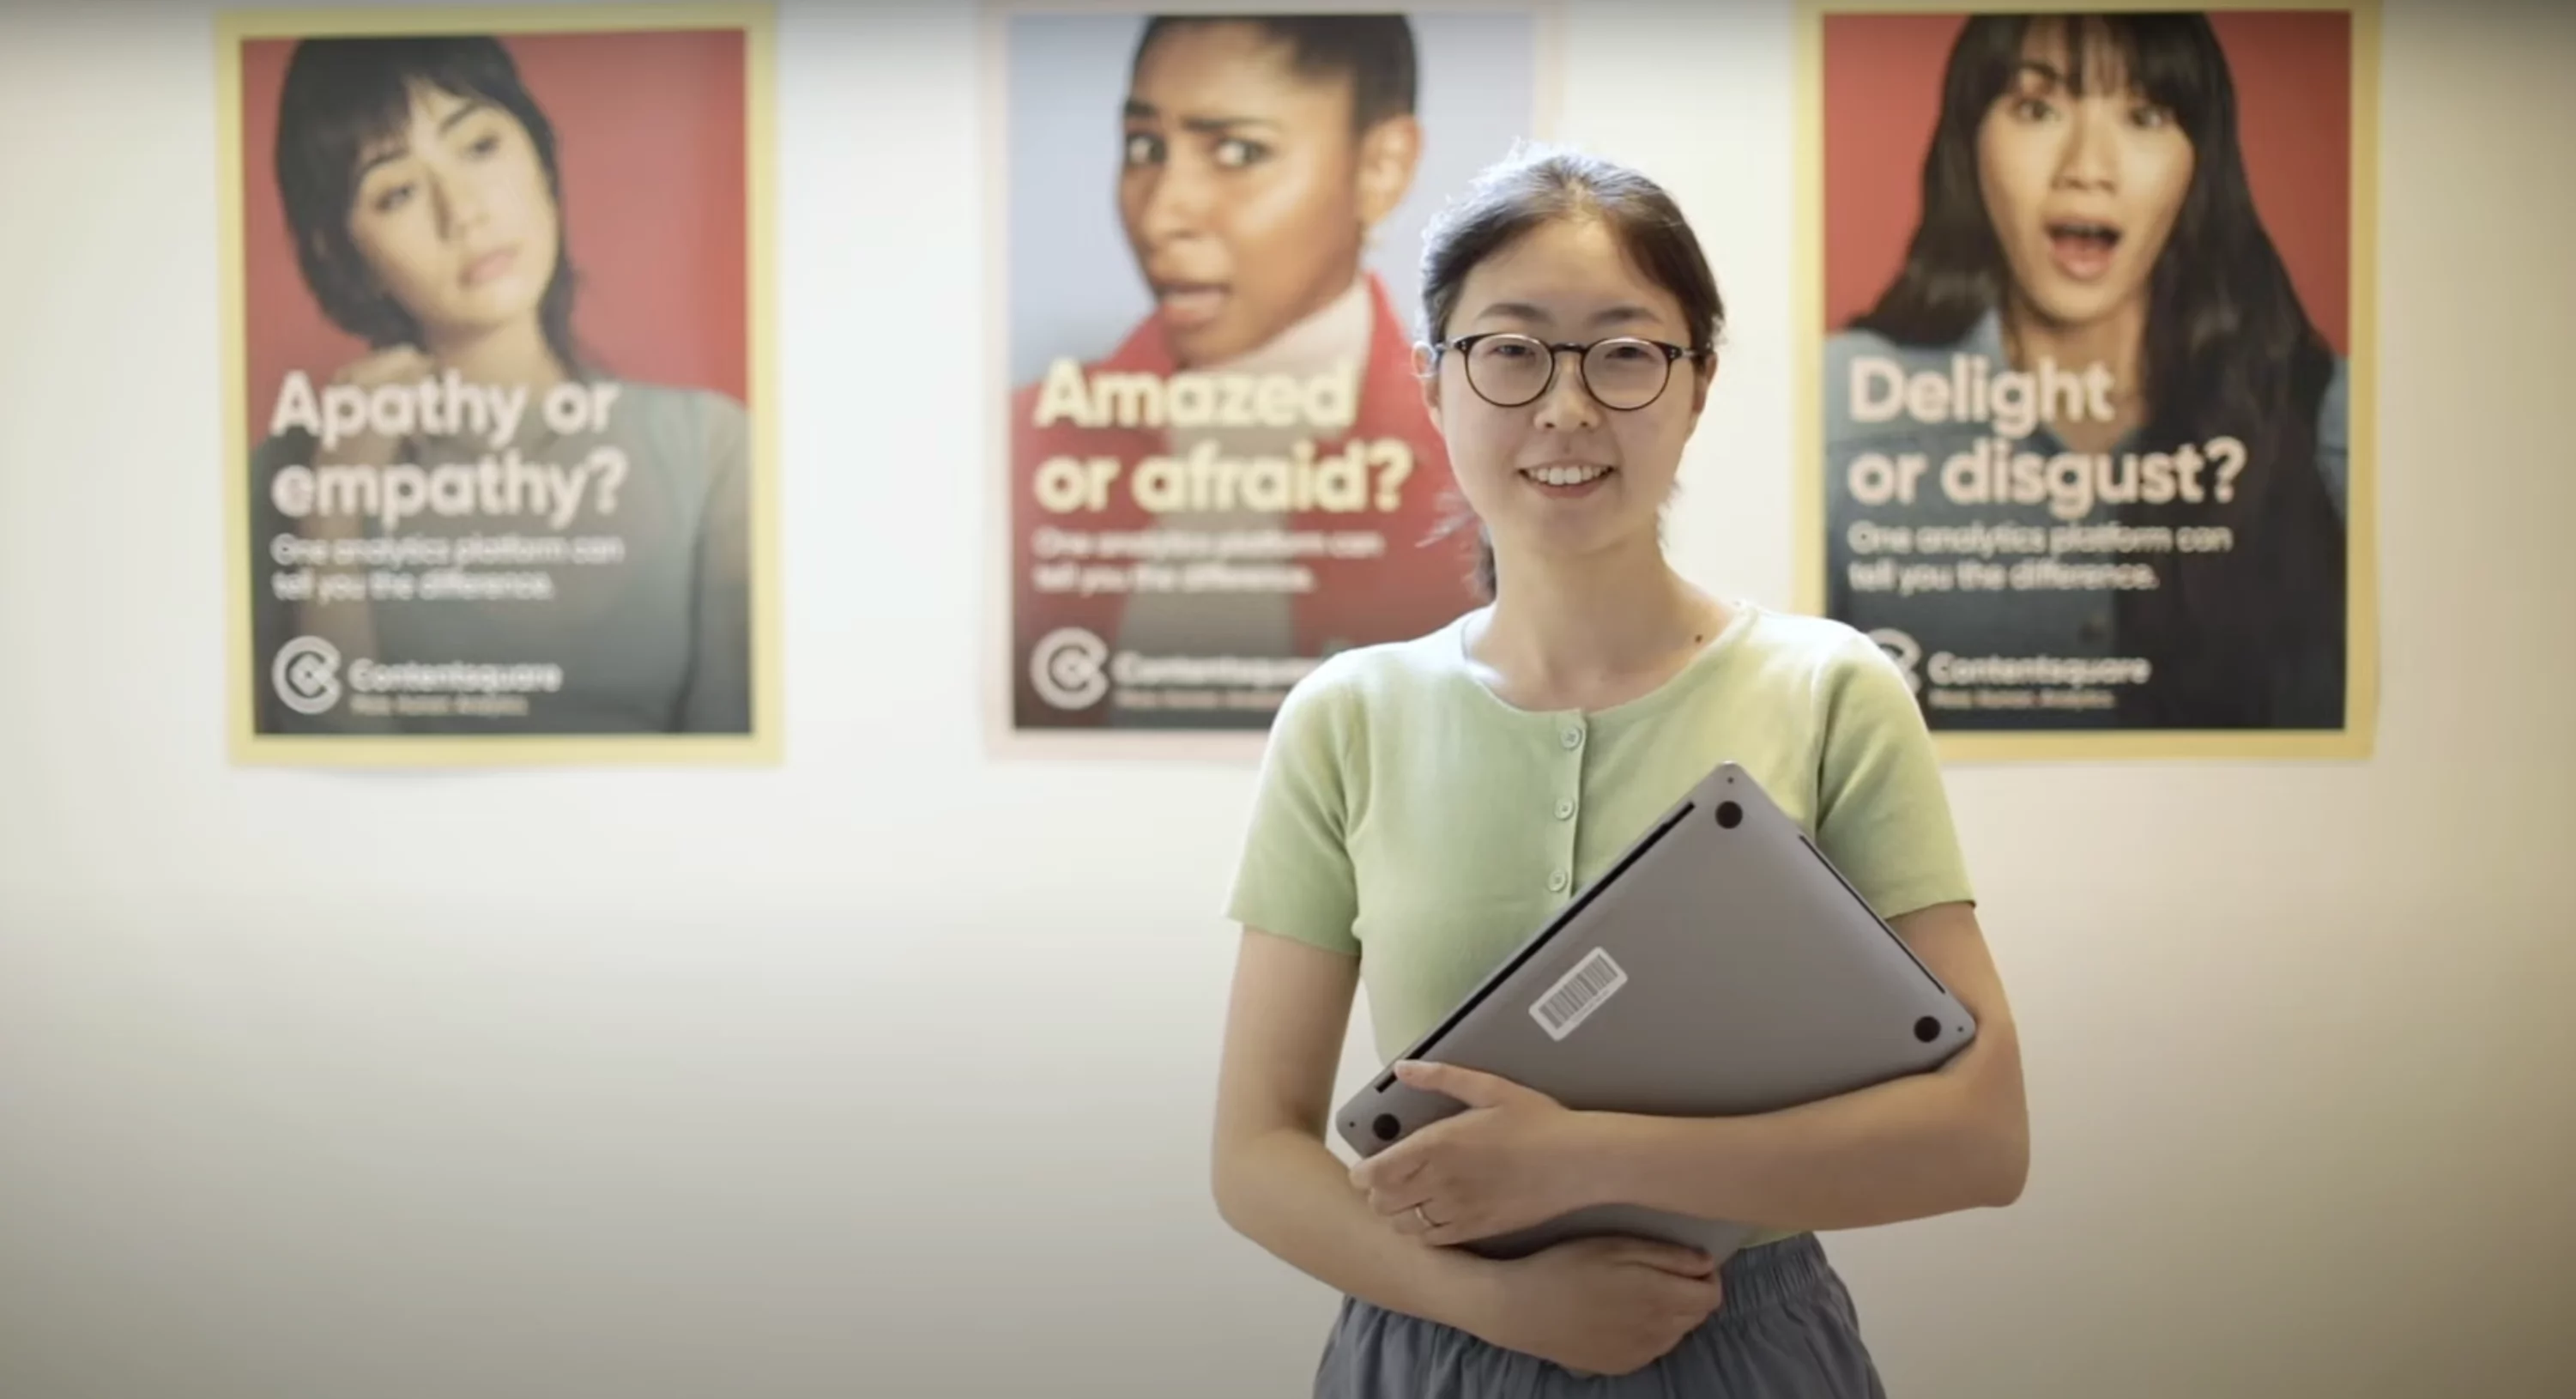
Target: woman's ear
[(1703, 377), (1389, 153), (1426, 372)]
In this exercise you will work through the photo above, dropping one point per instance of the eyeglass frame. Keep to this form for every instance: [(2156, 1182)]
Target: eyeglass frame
[(1582, 351)]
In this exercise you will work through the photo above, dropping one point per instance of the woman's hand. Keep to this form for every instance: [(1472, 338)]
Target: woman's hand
[(395, 364), (1601, 1306), (1514, 1158)]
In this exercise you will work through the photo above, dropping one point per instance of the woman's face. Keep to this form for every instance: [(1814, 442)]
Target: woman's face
[(1564, 475), (2082, 190), (454, 217), (1240, 188)]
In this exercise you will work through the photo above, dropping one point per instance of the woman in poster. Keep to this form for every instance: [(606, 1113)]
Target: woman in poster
[(2086, 213), (1257, 155), (575, 544)]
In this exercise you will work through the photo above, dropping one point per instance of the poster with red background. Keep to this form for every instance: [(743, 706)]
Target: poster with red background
[(2092, 437), (1218, 465), (497, 383)]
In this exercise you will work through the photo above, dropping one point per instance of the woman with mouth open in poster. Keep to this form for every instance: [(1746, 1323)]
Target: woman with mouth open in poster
[(422, 186), (2086, 208)]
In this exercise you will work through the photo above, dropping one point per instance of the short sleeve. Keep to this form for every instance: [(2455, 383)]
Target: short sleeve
[(1295, 877), (1882, 814)]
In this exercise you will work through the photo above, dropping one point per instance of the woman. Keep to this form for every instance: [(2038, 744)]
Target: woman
[(1257, 155), (1426, 804), (422, 189), (2085, 206)]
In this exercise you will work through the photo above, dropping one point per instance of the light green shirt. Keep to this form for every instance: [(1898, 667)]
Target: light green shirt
[(1408, 816)]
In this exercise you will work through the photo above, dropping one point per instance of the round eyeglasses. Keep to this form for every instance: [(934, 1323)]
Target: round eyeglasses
[(1622, 374)]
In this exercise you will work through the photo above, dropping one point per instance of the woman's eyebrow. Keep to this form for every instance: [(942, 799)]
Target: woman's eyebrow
[(1210, 126), (392, 150), (465, 109), (395, 147), (1623, 314), (2044, 71), (2052, 78)]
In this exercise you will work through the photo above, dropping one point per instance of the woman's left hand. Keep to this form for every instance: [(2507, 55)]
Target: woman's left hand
[(1514, 1158)]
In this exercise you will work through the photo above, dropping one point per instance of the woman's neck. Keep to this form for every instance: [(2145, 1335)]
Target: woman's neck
[(2115, 342), (1593, 632), (1330, 336)]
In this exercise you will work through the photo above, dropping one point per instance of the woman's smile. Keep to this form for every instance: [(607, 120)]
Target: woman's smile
[(1567, 480)]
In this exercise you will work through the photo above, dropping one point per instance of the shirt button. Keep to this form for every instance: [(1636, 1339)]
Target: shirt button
[(1564, 810), (1573, 738), (1556, 880)]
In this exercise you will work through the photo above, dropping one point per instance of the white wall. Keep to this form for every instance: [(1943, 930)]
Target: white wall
[(387, 1086)]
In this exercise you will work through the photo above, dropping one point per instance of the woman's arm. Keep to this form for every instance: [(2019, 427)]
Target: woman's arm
[(718, 699), (1276, 1181), (1954, 1139)]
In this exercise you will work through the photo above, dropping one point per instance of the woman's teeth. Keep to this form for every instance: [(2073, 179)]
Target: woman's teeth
[(1565, 475)]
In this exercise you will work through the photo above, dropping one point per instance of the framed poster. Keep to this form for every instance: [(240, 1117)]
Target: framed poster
[(499, 424), (2087, 349), (1215, 468)]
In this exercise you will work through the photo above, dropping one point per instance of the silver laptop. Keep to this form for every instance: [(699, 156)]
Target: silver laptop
[(1721, 967)]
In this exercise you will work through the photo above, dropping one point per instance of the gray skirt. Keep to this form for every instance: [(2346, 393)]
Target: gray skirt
[(1785, 1329)]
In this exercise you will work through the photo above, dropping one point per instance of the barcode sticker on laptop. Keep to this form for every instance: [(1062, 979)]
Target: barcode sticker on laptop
[(1578, 993)]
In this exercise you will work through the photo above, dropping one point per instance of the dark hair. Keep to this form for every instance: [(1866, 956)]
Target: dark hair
[(1538, 185), (1376, 52), (2229, 350), (342, 95)]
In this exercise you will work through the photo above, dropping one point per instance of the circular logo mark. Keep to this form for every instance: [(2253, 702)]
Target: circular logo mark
[(1905, 651), (1070, 668), (306, 674)]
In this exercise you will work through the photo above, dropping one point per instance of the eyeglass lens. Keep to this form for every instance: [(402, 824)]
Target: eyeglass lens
[(1511, 370)]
